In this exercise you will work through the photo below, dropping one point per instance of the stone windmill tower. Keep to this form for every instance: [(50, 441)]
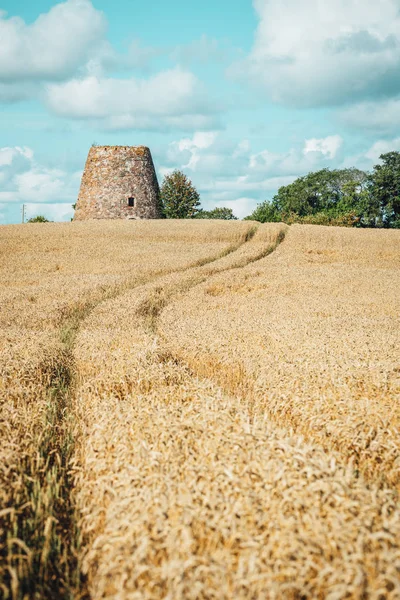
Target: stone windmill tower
[(119, 182)]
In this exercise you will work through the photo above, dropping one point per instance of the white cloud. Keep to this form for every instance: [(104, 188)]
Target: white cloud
[(8, 155), (173, 98), (230, 174), (328, 146), (317, 153), (206, 153), (201, 139), (264, 160), (23, 180), (365, 159), (310, 52), (380, 116), (53, 46), (13, 162), (64, 60), (40, 185), (94, 97), (381, 147), (191, 148)]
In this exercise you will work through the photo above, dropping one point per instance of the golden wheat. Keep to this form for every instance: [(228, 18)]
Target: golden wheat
[(186, 492), (311, 335), (51, 276), (231, 392)]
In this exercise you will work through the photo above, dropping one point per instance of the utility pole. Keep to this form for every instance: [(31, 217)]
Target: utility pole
[(23, 213)]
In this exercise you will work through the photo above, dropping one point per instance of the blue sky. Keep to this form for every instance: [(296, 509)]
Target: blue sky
[(244, 96)]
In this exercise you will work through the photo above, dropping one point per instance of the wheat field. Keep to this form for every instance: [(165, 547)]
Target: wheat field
[(195, 409)]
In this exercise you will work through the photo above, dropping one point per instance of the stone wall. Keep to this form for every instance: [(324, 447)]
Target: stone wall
[(113, 175)]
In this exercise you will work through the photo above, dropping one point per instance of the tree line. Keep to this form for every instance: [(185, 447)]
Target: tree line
[(347, 197)]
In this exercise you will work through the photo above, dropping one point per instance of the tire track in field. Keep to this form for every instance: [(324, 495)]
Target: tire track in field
[(42, 548), (105, 561), (161, 295), (354, 444)]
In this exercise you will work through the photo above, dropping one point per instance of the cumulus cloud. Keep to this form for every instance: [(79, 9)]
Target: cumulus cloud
[(14, 161), (53, 46), (206, 153), (173, 98), (67, 40), (382, 147), (230, 174), (328, 146), (209, 153), (190, 149), (23, 180), (64, 60), (316, 153), (310, 52), (376, 116)]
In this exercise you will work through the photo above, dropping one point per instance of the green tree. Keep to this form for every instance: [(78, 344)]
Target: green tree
[(357, 202), (223, 213), (266, 212), (179, 197), (385, 189), (339, 197), (321, 191), (38, 219)]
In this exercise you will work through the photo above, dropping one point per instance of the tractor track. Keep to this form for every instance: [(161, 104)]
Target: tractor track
[(44, 544)]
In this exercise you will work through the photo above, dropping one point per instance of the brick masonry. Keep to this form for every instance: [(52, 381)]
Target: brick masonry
[(113, 175)]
